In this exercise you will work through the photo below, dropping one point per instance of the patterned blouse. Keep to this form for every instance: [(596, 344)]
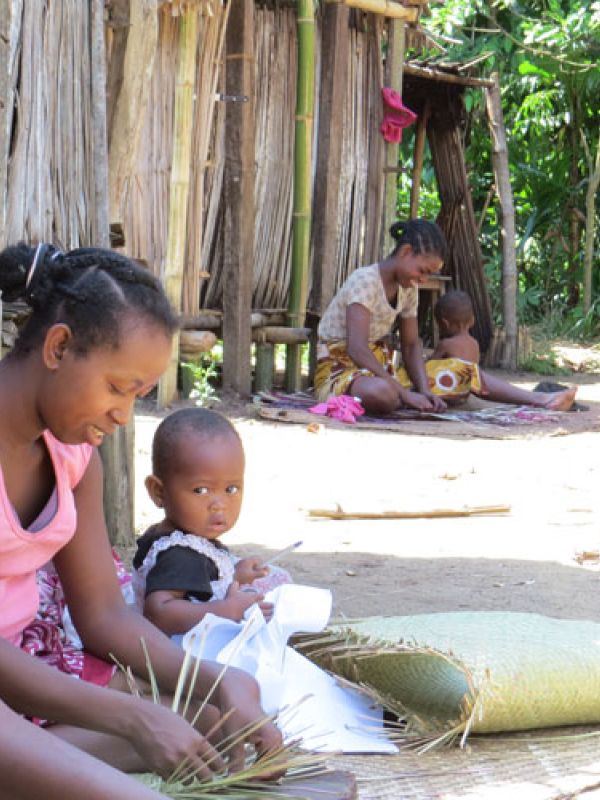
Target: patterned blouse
[(364, 286)]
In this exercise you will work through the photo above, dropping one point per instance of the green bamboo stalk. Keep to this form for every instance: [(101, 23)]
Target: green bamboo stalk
[(303, 135), (180, 185)]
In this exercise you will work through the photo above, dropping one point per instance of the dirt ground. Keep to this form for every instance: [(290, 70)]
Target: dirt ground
[(521, 561)]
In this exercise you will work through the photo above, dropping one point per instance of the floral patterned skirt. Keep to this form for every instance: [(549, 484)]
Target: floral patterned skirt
[(451, 378)]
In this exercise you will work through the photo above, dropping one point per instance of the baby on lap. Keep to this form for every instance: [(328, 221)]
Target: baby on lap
[(182, 570)]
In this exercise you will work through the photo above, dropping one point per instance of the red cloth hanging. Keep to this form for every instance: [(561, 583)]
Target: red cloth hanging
[(396, 116)]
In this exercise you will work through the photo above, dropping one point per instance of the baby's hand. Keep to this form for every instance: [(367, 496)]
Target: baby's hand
[(249, 569), (239, 600)]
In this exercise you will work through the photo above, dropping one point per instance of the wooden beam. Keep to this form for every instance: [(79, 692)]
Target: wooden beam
[(507, 223), (334, 69), (445, 77), (385, 8), (179, 186), (393, 79), (238, 191)]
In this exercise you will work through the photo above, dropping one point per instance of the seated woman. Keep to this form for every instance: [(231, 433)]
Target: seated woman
[(353, 357), (99, 336)]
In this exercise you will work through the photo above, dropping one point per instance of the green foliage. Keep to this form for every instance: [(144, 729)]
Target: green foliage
[(544, 364), (199, 378), (547, 54)]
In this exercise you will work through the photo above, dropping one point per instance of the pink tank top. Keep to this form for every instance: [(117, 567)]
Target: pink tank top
[(22, 551)]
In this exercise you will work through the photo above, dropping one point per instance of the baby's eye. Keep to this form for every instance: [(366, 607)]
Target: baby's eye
[(201, 490), (232, 489)]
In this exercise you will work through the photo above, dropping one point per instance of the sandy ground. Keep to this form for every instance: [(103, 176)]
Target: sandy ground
[(521, 561)]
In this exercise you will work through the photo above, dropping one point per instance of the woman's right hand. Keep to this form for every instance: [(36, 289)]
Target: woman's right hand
[(164, 740)]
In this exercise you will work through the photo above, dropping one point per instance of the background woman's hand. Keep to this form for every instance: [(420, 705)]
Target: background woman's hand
[(419, 401)]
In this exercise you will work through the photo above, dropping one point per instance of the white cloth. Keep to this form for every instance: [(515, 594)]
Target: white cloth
[(311, 706)]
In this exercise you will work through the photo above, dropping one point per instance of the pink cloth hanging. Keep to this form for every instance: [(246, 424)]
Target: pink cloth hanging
[(396, 116), (342, 407)]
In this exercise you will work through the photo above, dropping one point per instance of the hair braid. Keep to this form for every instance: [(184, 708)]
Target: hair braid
[(89, 289), (422, 235)]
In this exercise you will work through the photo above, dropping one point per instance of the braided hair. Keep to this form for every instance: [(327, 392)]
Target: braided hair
[(423, 236), (89, 289), (186, 421)]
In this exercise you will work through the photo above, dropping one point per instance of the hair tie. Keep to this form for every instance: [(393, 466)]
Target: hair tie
[(36, 270)]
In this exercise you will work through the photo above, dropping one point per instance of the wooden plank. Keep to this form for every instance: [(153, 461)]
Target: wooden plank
[(334, 50), (445, 77), (506, 223), (238, 245), (117, 450)]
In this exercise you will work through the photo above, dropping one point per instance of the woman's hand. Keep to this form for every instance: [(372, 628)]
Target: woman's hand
[(438, 404), (248, 570), (164, 740), (418, 400)]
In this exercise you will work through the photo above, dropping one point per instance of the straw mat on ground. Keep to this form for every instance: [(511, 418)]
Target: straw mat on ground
[(478, 420), (538, 766), (449, 675)]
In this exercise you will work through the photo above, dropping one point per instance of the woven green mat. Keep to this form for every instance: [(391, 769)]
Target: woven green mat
[(452, 674)]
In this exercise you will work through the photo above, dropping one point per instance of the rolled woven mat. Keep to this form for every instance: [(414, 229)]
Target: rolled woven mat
[(451, 674)]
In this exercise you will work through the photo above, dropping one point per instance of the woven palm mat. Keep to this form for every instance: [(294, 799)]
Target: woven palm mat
[(478, 419), (543, 765)]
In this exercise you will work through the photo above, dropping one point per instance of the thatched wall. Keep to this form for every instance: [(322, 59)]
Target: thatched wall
[(47, 124), (145, 199)]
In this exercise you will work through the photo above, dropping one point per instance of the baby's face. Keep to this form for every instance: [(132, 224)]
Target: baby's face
[(203, 492)]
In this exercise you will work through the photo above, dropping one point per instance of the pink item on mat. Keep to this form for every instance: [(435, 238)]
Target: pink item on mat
[(342, 407), (396, 116)]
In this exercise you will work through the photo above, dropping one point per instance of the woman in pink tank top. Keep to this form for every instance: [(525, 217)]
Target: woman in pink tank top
[(99, 337)]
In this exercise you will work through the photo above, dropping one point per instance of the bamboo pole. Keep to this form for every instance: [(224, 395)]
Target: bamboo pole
[(419, 153), (180, 184), (393, 78), (385, 8), (305, 100), (437, 513), (507, 223)]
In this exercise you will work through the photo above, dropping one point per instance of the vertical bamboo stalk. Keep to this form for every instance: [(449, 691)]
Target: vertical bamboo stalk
[(419, 152), (180, 184), (393, 78), (305, 100), (507, 222)]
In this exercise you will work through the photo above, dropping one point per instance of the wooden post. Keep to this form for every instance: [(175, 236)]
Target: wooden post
[(238, 189), (180, 186), (507, 222), (419, 153), (117, 450), (393, 79), (334, 69), (590, 220)]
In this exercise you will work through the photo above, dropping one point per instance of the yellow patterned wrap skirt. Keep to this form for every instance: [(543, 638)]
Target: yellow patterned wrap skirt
[(450, 378)]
